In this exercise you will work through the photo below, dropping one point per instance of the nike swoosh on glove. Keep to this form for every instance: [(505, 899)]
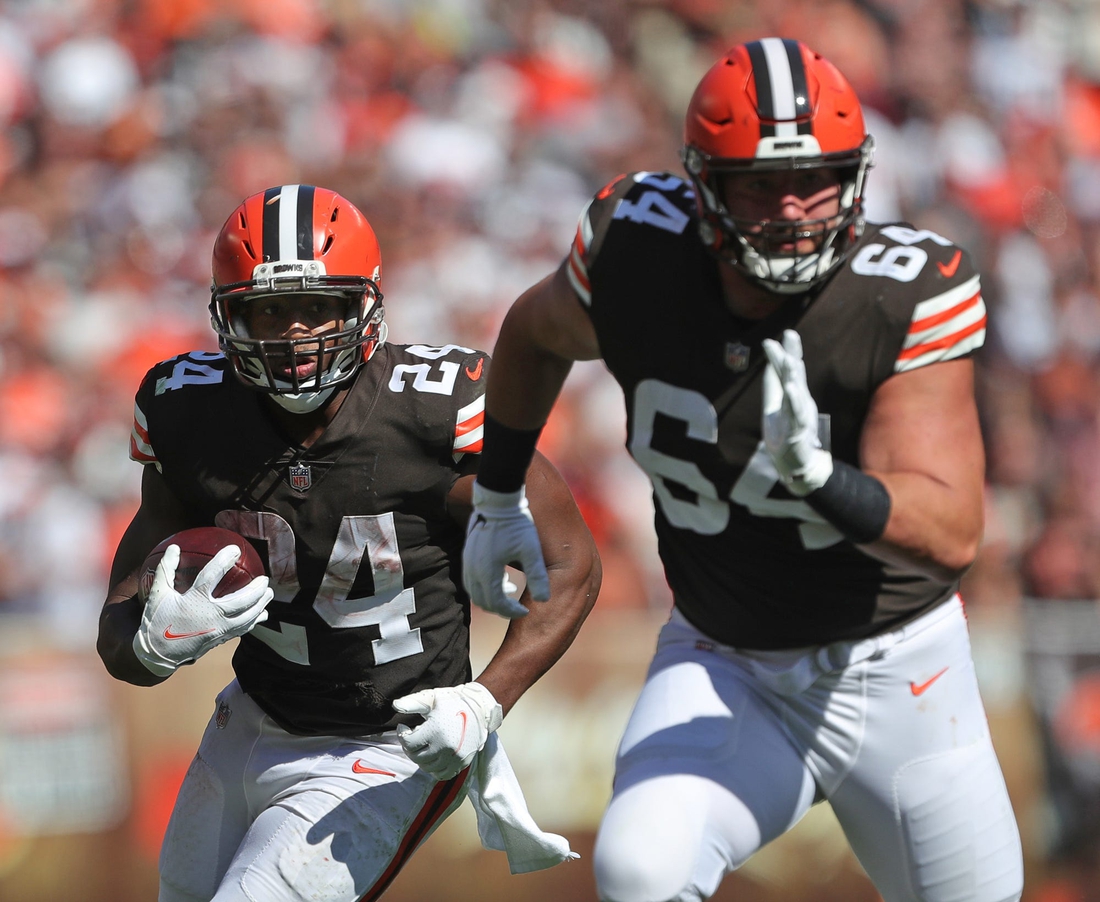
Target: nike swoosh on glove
[(790, 421), (457, 723), (180, 627), (502, 532)]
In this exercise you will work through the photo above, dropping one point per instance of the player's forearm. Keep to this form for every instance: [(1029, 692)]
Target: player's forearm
[(524, 381), (525, 378), (534, 643), (118, 623), (932, 528)]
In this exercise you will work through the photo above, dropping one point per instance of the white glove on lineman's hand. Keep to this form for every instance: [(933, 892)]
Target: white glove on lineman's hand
[(457, 722), (499, 533), (180, 628), (790, 418)]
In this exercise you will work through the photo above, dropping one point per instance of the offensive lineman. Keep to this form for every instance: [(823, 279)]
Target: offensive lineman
[(349, 461), (799, 389)]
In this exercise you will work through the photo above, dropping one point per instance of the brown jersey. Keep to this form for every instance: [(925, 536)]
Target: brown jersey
[(749, 563), (362, 554)]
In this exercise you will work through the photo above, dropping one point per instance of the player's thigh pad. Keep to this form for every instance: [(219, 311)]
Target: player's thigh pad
[(211, 814), (334, 818), (351, 853), (952, 836), (925, 805), (344, 831), (705, 775)]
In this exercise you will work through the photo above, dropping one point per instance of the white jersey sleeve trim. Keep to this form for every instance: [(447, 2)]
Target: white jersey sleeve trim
[(140, 448), (944, 327), (470, 427), (578, 258)]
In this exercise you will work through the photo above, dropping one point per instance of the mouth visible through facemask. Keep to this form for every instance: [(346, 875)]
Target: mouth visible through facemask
[(294, 363)]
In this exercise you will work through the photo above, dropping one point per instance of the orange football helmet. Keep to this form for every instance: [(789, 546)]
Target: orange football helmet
[(770, 105), (298, 239)]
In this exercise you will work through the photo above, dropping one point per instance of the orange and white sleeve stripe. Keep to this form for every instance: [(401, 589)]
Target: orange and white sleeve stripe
[(140, 449), (578, 258), (470, 428), (944, 327)]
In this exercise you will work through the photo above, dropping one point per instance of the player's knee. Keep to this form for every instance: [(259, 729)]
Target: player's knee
[(628, 869), (634, 885)]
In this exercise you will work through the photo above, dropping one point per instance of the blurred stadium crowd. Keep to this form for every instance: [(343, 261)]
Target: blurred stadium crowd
[(471, 133)]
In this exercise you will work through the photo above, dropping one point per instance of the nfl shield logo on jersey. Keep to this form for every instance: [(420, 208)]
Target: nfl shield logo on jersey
[(300, 477), (737, 356), (224, 712)]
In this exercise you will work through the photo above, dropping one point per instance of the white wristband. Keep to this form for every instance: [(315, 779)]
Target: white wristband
[(490, 499)]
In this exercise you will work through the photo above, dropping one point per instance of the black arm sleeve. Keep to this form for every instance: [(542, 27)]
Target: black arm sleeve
[(855, 503)]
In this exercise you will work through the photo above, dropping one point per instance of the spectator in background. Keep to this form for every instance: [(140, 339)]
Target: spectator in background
[(126, 130)]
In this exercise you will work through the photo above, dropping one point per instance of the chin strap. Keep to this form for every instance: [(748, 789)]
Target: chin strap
[(788, 274), (304, 402)]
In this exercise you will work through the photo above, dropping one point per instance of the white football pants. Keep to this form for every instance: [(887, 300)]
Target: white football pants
[(726, 750), (265, 816)]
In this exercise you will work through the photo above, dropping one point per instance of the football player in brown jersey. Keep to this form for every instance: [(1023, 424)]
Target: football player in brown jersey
[(799, 388), (354, 725)]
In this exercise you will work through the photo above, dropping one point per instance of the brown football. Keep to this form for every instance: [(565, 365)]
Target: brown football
[(197, 547)]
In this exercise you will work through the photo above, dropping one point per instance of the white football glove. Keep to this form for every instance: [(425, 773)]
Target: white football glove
[(178, 628), (457, 723), (790, 418), (499, 533)]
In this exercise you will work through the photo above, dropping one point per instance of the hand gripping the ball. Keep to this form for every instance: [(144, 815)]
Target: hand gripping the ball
[(180, 627), (790, 420), (457, 723), (502, 532)]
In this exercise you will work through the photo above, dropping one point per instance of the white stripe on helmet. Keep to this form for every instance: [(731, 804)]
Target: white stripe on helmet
[(288, 223), (782, 84)]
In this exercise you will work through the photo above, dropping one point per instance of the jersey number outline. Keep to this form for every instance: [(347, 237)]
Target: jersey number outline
[(902, 262), (191, 370), (370, 536), (422, 381), (653, 208), (709, 515)]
